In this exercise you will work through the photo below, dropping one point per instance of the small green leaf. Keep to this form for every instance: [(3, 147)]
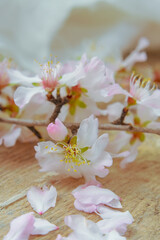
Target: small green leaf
[(84, 149), (142, 137), (81, 104), (36, 84), (73, 140), (146, 123), (84, 90), (72, 109)]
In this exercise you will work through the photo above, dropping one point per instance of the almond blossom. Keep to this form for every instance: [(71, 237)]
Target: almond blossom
[(25, 225), (45, 83), (86, 230), (140, 116), (88, 198), (141, 92), (35, 86), (42, 199), (113, 220), (87, 90), (83, 155), (82, 82)]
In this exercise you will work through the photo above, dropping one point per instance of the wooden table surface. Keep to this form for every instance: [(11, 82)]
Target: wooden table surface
[(138, 186)]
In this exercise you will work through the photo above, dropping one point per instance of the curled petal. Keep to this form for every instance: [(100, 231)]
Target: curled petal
[(87, 199), (42, 200), (57, 131)]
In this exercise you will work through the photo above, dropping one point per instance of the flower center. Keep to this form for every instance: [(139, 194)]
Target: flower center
[(50, 74), (73, 157)]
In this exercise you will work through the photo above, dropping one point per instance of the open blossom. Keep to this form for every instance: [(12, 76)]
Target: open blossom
[(86, 91), (46, 82), (142, 116), (86, 230), (83, 83), (141, 92), (113, 220), (83, 156), (42, 199), (57, 131), (25, 225), (90, 197)]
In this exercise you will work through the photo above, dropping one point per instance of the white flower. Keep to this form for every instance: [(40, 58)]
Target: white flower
[(141, 92), (83, 156)]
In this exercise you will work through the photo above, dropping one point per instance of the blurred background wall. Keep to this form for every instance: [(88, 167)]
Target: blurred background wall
[(34, 29)]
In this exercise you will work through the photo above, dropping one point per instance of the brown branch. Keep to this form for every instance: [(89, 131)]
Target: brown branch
[(33, 130), (105, 126), (120, 121), (59, 102)]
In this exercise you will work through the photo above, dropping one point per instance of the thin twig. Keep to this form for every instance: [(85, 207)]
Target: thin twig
[(105, 126), (120, 121), (37, 133), (59, 102)]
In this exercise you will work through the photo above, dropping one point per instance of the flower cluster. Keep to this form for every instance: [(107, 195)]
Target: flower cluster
[(66, 98)]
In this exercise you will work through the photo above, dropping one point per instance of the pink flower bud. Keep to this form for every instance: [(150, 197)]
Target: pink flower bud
[(57, 131)]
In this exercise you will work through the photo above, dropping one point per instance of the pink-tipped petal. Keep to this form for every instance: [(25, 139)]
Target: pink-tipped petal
[(42, 199), (21, 227), (57, 131), (42, 227)]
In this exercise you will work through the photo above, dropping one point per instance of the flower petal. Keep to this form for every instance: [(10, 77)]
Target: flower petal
[(98, 148), (87, 199), (132, 156), (42, 227), (23, 95), (87, 132), (71, 79), (17, 77), (113, 220), (114, 89), (114, 235), (11, 137), (93, 195), (42, 200), (49, 156), (21, 227)]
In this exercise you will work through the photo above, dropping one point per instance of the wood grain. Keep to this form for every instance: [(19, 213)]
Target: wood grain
[(137, 185)]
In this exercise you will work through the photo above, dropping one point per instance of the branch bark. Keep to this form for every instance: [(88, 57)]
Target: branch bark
[(105, 126)]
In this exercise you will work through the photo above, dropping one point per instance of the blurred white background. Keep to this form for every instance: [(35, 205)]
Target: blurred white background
[(34, 29)]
